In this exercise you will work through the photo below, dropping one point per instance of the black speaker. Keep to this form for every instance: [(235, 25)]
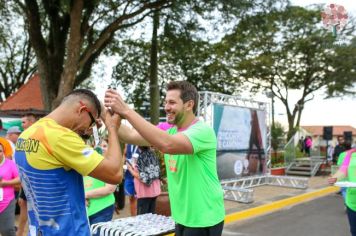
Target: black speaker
[(348, 136), (328, 133)]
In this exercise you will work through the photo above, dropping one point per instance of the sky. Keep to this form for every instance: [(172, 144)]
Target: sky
[(319, 111)]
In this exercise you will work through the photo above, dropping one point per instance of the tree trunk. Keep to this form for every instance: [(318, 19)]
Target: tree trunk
[(291, 129), (154, 90), (299, 117), (74, 46), (50, 69)]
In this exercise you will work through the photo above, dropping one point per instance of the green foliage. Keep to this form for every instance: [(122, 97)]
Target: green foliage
[(17, 62), (277, 160), (69, 36), (132, 70), (278, 165), (284, 50), (277, 157), (186, 51), (299, 153), (277, 135), (344, 73)]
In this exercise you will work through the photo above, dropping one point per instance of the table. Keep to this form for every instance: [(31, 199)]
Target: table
[(141, 225)]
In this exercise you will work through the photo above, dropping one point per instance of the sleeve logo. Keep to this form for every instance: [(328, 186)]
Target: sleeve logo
[(87, 152)]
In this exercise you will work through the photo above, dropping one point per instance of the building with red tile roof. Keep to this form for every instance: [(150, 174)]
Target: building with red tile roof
[(338, 130), (28, 99), (316, 131)]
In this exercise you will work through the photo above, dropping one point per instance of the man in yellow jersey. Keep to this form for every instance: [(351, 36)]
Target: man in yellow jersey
[(189, 146), (52, 159)]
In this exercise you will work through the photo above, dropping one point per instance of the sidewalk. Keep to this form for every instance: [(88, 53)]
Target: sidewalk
[(262, 195), (269, 194)]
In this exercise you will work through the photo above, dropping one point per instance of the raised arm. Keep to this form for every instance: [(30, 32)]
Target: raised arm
[(110, 170), (170, 144)]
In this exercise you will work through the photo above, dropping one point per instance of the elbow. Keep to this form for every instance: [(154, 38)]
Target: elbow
[(115, 178), (118, 178), (167, 148)]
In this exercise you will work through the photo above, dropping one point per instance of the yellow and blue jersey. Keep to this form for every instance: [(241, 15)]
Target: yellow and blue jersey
[(52, 160)]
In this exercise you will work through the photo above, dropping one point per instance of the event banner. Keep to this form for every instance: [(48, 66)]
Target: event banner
[(241, 140)]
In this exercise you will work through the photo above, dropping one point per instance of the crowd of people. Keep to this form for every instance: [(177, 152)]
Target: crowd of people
[(67, 183), (66, 180)]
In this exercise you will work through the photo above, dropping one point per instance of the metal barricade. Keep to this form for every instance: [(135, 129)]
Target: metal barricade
[(240, 189)]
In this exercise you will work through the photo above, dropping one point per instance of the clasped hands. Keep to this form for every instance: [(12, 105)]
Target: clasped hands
[(114, 102)]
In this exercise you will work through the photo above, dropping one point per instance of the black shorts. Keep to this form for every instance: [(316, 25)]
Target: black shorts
[(22, 195), (215, 230)]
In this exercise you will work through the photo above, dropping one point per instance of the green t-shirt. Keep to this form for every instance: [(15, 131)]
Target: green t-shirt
[(341, 158), (97, 204), (351, 175), (195, 191)]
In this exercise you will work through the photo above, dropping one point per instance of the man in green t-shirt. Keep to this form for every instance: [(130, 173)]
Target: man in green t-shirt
[(189, 145), (348, 169)]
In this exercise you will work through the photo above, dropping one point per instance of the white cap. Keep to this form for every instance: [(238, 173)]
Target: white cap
[(14, 130)]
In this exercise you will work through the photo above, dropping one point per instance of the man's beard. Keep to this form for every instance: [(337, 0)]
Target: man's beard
[(177, 119)]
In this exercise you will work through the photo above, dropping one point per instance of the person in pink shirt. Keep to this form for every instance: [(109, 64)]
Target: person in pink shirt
[(9, 177), (146, 172), (308, 143)]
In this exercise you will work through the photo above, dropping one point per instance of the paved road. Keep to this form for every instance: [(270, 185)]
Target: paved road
[(321, 217)]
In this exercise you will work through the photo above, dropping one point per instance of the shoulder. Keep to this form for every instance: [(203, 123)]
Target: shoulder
[(201, 126), (164, 126), (47, 128), (200, 129)]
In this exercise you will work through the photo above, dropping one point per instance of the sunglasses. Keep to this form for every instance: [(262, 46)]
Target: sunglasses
[(93, 121)]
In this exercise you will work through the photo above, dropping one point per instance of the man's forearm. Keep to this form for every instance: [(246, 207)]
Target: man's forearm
[(114, 154), (100, 192), (128, 135), (12, 182), (148, 131)]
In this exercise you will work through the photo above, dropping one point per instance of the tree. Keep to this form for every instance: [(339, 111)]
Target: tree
[(17, 61), (185, 49), (68, 36), (285, 50), (277, 135)]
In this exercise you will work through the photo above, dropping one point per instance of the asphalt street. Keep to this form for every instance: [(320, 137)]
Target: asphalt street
[(320, 217)]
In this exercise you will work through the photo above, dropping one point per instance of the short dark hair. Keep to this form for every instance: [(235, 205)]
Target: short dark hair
[(88, 95), (30, 115), (187, 91)]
